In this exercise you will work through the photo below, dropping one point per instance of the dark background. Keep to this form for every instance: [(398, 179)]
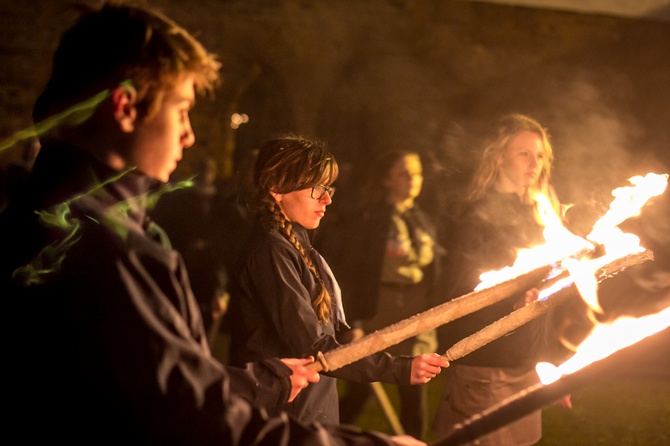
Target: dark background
[(426, 75)]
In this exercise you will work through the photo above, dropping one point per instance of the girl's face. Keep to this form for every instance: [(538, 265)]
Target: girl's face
[(404, 179), (521, 164), (299, 207)]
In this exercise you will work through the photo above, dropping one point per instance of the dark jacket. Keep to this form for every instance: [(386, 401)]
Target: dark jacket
[(103, 338), (360, 255), (271, 315), (486, 237)]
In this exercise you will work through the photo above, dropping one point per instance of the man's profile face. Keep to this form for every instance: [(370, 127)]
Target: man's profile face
[(159, 141)]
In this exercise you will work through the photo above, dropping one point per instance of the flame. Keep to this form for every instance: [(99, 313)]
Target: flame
[(559, 244), (605, 340), (584, 276), (628, 202), (563, 248)]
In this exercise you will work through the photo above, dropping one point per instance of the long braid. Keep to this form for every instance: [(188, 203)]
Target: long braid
[(322, 303), (282, 166)]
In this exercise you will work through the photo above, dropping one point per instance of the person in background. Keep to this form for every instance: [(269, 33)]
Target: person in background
[(500, 218), (285, 300), (389, 265), (102, 333), (188, 216)]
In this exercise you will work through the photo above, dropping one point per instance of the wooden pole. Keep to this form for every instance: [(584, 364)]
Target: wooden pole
[(387, 408), (428, 320), (531, 399), (529, 312)]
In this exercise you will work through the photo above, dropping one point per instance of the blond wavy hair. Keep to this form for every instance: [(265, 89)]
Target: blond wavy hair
[(489, 166)]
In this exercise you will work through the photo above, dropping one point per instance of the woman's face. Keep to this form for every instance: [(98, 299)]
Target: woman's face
[(521, 164), (404, 179), (299, 207)]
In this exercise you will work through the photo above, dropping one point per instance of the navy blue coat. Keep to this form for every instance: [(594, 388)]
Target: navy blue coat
[(271, 315)]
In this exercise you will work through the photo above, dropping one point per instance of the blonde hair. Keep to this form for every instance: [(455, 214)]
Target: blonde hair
[(487, 172), (285, 165)]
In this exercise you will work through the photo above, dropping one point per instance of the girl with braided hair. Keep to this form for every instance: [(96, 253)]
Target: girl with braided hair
[(284, 298)]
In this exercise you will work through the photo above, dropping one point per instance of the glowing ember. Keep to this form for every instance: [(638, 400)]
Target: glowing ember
[(605, 340)]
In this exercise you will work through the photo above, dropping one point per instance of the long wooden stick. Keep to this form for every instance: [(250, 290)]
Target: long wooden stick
[(387, 408), (529, 312), (428, 320), (534, 398)]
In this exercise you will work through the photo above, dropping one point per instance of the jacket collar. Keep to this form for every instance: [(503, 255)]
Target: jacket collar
[(64, 174)]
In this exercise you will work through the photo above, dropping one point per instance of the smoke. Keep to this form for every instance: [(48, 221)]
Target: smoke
[(590, 139)]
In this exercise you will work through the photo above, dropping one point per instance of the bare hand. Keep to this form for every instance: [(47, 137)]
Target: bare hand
[(426, 367), (301, 376), (406, 440), (564, 402), (529, 297)]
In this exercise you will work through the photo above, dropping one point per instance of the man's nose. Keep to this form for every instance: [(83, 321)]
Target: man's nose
[(188, 137)]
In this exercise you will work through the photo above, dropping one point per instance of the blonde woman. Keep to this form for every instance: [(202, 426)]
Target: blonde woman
[(499, 219)]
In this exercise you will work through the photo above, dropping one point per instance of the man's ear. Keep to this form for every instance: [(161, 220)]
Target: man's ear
[(124, 99)]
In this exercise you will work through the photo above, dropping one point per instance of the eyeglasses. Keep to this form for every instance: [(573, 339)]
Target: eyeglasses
[(319, 191)]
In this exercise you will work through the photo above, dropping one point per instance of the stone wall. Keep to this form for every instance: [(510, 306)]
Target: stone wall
[(427, 75)]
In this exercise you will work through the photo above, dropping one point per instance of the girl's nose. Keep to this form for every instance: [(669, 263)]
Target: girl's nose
[(326, 198)]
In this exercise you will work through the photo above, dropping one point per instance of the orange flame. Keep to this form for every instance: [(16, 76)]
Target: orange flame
[(628, 202), (608, 338), (605, 340), (559, 244), (562, 246)]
